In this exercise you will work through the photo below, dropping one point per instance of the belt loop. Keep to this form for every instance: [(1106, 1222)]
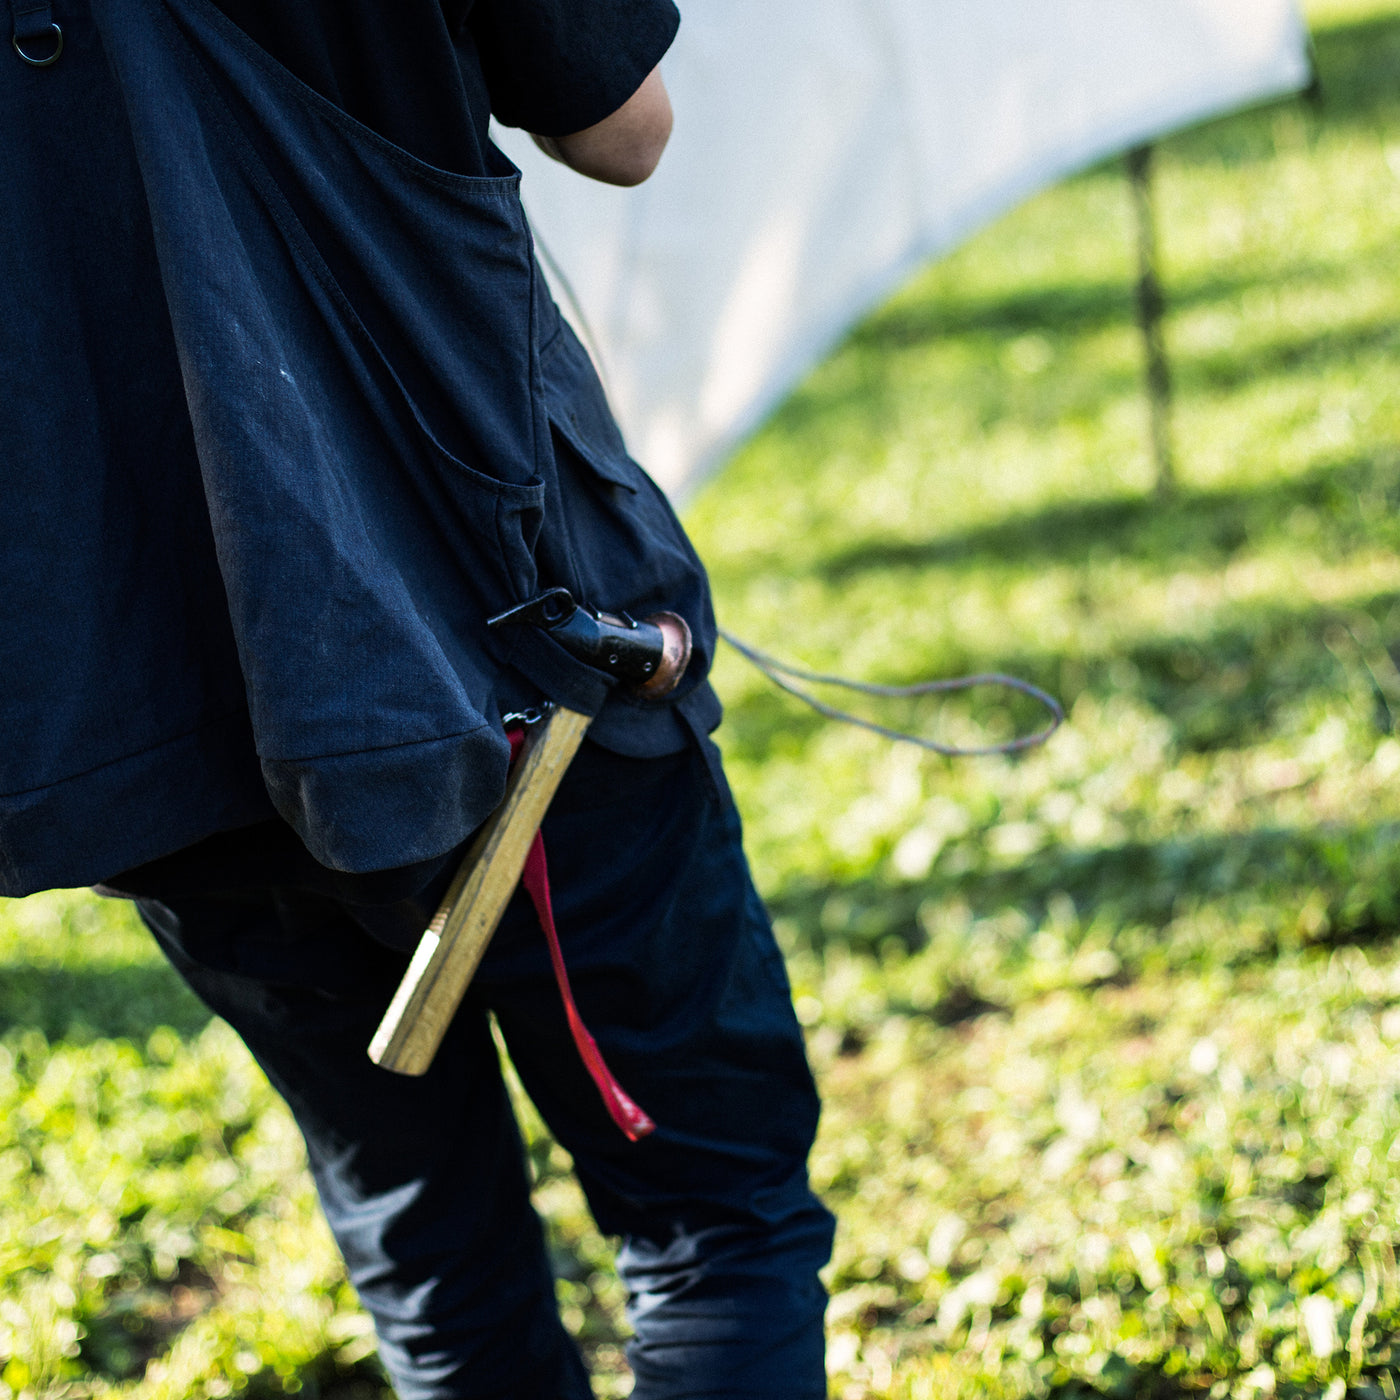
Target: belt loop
[(37, 39)]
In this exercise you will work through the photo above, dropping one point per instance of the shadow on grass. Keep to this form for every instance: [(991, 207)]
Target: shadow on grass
[(1086, 307), (1077, 307), (83, 1004), (1224, 371), (873, 382), (1227, 687), (1351, 500), (1143, 897), (1080, 307)]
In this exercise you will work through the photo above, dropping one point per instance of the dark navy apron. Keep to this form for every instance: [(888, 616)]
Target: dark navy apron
[(397, 438)]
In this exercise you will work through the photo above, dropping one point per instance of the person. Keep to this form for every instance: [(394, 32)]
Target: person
[(287, 412)]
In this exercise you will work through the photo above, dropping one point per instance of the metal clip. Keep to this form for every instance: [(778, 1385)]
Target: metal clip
[(649, 657), (37, 39)]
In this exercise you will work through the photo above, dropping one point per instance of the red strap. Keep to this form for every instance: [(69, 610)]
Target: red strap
[(535, 878)]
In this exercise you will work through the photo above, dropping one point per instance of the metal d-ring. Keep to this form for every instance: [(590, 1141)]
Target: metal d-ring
[(49, 60)]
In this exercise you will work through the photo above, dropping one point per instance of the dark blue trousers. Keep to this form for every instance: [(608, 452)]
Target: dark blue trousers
[(423, 1180)]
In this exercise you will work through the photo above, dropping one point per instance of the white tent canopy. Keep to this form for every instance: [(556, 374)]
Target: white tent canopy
[(825, 148)]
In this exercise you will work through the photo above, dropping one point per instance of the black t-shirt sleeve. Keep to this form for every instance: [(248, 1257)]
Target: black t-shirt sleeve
[(557, 66)]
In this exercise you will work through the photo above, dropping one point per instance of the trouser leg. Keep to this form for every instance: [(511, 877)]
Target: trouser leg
[(677, 974), (422, 1179)]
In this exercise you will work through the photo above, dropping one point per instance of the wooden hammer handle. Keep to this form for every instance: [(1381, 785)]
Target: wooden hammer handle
[(448, 953)]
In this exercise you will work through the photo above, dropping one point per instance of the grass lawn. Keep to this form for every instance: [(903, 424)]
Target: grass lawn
[(1109, 1033)]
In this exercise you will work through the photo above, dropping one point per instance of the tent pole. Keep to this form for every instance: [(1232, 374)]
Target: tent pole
[(1150, 307)]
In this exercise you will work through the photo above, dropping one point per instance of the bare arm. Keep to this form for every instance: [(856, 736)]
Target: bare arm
[(622, 149)]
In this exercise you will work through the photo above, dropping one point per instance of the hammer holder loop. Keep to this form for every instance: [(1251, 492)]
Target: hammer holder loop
[(614, 643)]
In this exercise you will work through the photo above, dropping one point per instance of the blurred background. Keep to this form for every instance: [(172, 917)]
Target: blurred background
[(1107, 1032)]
